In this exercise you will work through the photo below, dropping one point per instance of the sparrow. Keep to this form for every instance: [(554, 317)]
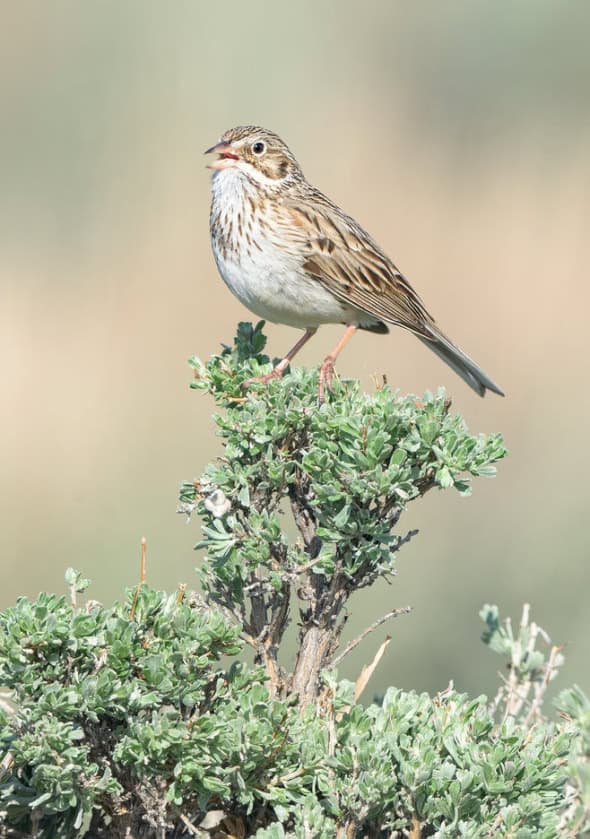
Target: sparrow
[(293, 257)]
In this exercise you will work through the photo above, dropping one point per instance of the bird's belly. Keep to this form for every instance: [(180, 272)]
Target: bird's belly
[(275, 288)]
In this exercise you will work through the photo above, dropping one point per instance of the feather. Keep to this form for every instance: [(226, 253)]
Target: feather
[(348, 262)]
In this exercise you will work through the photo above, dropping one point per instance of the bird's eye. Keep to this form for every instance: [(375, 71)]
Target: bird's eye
[(259, 147)]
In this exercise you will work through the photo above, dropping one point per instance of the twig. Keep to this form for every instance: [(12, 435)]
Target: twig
[(142, 576), (290, 776), (73, 596), (517, 691), (143, 552), (368, 669), (395, 613), (416, 828), (303, 569), (6, 764), (550, 669), (194, 831)]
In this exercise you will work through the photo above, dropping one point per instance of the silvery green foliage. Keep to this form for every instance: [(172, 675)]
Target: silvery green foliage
[(346, 469), (147, 716), (137, 719), (574, 705)]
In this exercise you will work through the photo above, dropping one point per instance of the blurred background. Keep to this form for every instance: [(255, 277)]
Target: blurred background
[(457, 133)]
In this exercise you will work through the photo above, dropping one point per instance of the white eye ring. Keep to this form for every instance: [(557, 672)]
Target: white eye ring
[(259, 147)]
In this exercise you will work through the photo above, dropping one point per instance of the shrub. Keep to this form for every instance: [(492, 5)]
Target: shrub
[(138, 719)]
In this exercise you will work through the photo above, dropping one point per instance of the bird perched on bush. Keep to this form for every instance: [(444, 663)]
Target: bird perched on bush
[(294, 257)]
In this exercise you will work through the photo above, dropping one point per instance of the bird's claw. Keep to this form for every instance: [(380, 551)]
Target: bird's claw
[(276, 373), (326, 378)]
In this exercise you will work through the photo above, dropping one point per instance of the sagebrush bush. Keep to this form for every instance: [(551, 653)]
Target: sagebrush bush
[(139, 720)]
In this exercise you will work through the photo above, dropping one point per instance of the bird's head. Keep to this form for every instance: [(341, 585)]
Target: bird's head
[(258, 154)]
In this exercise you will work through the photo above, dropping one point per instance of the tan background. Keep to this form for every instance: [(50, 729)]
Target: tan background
[(457, 133)]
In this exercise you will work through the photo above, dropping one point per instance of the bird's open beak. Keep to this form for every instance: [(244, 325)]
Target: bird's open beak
[(227, 156)]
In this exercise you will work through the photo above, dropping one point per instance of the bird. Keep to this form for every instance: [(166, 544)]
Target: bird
[(293, 257)]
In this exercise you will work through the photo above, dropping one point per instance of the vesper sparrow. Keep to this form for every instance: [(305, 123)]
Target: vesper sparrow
[(292, 256)]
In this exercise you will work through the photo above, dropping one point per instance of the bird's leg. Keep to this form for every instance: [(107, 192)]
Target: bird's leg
[(327, 368), (277, 372)]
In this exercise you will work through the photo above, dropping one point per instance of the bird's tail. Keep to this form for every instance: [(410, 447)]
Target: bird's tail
[(459, 362)]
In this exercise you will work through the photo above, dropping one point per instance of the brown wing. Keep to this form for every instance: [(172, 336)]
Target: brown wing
[(342, 256)]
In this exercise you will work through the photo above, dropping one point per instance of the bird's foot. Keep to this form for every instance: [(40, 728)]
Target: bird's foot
[(276, 373), (326, 378)]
